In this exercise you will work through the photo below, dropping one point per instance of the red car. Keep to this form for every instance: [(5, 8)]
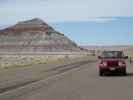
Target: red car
[(112, 61)]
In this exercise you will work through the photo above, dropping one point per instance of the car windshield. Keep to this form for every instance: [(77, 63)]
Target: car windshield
[(112, 54)]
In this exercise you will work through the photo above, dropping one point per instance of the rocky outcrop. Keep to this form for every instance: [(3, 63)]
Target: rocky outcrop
[(34, 36)]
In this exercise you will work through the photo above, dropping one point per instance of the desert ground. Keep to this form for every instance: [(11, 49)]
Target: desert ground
[(64, 78)]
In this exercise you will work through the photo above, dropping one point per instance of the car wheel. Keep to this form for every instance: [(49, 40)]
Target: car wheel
[(101, 73), (124, 72)]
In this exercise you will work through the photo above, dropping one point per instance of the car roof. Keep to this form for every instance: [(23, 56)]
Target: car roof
[(112, 51)]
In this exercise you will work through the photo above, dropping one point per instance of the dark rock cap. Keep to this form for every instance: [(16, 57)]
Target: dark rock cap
[(33, 25), (34, 21)]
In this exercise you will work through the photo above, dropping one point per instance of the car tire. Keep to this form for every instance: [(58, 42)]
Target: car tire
[(124, 72), (101, 73)]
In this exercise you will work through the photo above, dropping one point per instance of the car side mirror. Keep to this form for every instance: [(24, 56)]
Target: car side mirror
[(126, 57), (99, 57)]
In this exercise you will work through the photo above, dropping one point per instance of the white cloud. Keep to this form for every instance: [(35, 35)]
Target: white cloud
[(64, 10)]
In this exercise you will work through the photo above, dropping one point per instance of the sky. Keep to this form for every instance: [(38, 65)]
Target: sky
[(87, 22)]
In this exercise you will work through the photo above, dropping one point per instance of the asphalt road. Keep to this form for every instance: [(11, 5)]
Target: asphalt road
[(73, 80)]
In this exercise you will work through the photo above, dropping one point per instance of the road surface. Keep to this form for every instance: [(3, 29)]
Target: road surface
[(73, 80)]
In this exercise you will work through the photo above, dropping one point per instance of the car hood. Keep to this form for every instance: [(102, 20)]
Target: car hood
[(112, 60)]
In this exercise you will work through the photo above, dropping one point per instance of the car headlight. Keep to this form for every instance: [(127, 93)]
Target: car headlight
[(104, 63), (121, 63)]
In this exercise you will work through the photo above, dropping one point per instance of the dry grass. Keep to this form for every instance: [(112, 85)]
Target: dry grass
[(11, 61)]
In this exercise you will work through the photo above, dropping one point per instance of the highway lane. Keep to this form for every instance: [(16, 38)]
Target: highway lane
[(77, 80)]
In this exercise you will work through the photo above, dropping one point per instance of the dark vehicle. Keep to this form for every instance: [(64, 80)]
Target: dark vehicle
[(112, 61)]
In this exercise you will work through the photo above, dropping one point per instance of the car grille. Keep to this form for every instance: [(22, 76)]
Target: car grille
[(112, 63)]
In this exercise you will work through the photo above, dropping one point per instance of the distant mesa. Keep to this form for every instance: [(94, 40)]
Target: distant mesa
[(34, 36)]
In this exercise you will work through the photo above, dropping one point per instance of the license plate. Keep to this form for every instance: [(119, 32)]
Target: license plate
[(112, 69)]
